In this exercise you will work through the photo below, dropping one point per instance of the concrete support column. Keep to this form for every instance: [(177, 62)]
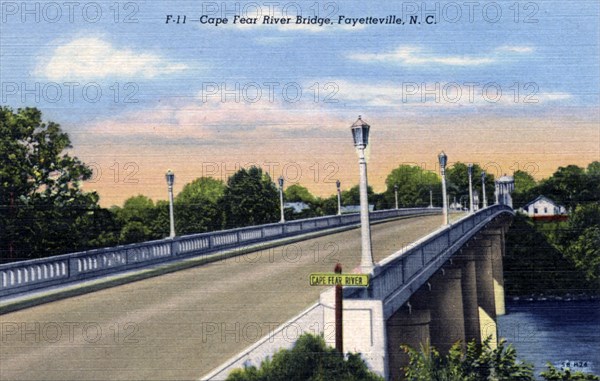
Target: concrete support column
[(497, 248), (469, 296), (409, 327), (444, 301), (485, 290), (364, 329)]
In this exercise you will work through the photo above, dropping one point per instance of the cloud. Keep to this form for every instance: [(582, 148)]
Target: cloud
[(206, 120), (94, 58), (413, 55), (220, 121), (416, 55), (515, 49), (442, 95)]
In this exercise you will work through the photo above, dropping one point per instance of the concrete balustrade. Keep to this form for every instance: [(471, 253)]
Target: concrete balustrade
[(38, 274)]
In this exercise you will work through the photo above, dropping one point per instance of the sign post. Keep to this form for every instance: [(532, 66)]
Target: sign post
[(339, 280), (339, 321)]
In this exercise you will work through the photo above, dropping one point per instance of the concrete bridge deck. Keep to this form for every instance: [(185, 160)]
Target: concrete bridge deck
[(184, 324)]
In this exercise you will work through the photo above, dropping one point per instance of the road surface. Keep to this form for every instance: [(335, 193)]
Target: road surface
[(180, 326)]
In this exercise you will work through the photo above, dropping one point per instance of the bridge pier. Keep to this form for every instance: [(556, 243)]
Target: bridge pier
[(410, 327), (486, 295), (496, 237), (469, 295), (447, 312)]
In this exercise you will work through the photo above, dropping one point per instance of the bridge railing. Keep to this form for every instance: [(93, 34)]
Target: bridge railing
[(37, 274), (397, 271)]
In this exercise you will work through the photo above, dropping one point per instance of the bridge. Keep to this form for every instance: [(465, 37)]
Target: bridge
[(228, 299)]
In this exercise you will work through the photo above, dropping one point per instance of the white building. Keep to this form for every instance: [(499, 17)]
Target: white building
[(355, 208), (542, 206), (298, 207)]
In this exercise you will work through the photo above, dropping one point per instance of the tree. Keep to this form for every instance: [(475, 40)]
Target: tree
[(413, 187), (298, 193), (457, 178), (580, 240), (524, 184), (197, 206), (593, 175), (567, 186), (137, 217), (352, 195), (41, 200), (309, 360), (533, 264), (250, 198), (523, 181), (327, 206)]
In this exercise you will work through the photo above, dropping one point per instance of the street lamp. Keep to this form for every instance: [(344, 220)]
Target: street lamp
[(483, 189), (430, 198), (170, 176), (443, 158), (339, 196), (396, 194), (281, 198), (360, 133), (462, 203), (470, 171)]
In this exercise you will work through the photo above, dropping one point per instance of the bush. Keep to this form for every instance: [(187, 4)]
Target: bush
[(480, 362), (553, 374), (309, 360)]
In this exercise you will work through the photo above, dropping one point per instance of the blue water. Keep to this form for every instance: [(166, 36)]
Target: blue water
[(562, 333)]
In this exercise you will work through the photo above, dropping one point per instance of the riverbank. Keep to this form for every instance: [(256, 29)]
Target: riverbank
[(540, 297)]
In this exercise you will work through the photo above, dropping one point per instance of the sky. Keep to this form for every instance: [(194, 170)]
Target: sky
[(507, 84)]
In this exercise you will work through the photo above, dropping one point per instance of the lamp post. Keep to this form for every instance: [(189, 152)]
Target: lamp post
[(470, 171), (396, 194), (360, 133), (483, 189), (462, 203), (339, 197), (430, 198), (170, 176), (443, 158), (281, 198)]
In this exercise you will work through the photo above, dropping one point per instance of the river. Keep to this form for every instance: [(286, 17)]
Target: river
[(559, 332)]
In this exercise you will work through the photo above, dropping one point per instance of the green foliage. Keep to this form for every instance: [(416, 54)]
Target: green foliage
[(479, 362), (298, 193), (352, 195), (553, 374), (523, 180), (250, 198), (458, 183), (309, 360), (524, 183), (197, 206), (413, 187), (533, 264), (580, 240), (568, 186), (42, 205), (327, 206)]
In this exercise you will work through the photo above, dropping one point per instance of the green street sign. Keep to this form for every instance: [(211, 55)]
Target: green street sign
[(334, 279)]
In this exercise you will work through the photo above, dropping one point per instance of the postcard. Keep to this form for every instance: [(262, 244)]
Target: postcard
[(299, 190)]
